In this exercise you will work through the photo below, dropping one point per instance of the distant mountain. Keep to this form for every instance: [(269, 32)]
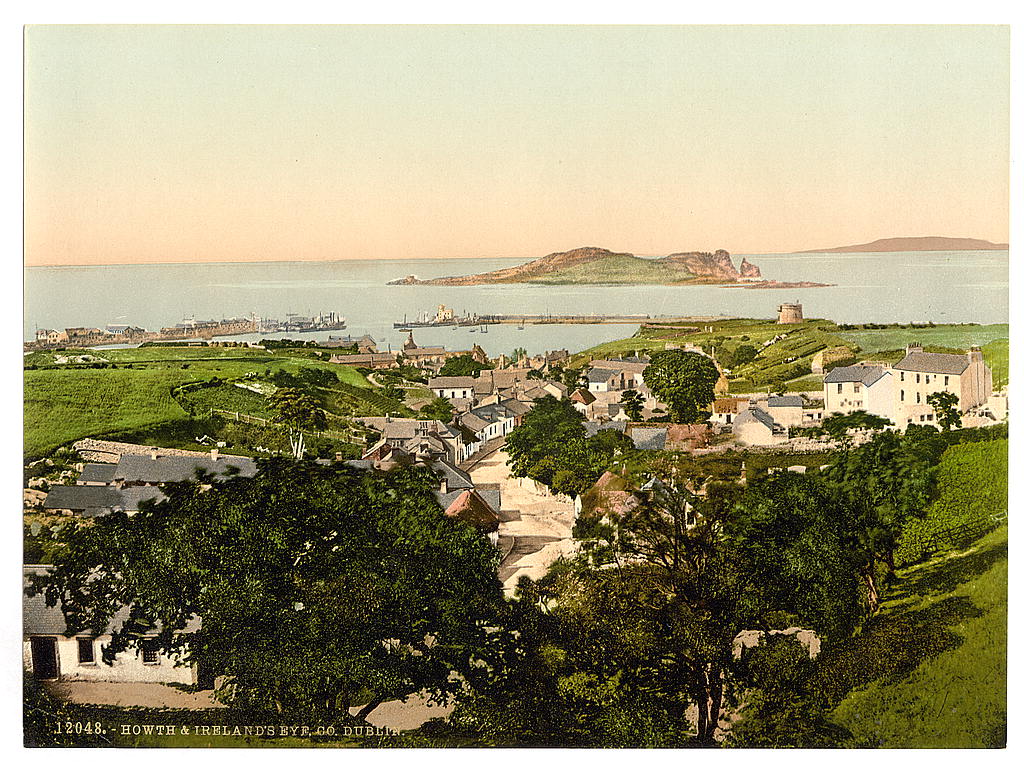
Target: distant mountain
[(891, 244), (600, 266)]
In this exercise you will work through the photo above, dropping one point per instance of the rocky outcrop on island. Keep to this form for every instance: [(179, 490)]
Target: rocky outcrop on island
[(749, 271), (598, 266)]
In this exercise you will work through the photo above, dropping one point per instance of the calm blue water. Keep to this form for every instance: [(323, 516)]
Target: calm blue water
[(942, 287)]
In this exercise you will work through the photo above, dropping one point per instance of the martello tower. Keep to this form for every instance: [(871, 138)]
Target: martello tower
[(791, 313)]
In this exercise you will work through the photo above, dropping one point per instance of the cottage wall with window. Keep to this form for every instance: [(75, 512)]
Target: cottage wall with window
[(920, 374)]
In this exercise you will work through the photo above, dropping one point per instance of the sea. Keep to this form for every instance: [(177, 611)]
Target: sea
[(920, 286)]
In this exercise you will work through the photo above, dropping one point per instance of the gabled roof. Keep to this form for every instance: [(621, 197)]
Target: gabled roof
[(456, 478), (755, 414), (584, 396), (81, 497), (602, 374), (786, 401), (648, 438), (862, 374), (469, 507), (473, 422), (727, 404), (933, 362)]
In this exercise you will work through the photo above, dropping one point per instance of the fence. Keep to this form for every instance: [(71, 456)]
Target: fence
[(245, 418)]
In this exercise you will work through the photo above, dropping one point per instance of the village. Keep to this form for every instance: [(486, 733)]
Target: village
[(459, 434)]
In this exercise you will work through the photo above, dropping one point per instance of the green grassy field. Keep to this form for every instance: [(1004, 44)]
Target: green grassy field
[(997, 355), (955, 336), (61, 406), (930, 670), (617, 269)]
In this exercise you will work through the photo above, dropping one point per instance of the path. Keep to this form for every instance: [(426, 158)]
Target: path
[(536, 526)]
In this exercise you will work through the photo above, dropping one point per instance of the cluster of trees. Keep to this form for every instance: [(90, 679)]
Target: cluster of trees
[(463, 365), (306, 377), (350, 588), (685, 381), (551, 446)]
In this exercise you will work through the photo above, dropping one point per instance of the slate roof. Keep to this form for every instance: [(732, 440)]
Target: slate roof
[(649, 438), (82, 497), (451, 382), (933, 362), (518, 407), (171, 469), (583, 395), (786, 401), (457, 479), (863, 374), (473, 422), (40, 619), (131, 496), (593, 427), (755, 414), (97, 473), (602, 375)]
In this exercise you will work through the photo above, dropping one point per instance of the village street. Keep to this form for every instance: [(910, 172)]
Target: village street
[(536, 526)]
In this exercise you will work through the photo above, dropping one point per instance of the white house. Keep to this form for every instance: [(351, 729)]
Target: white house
[(921, 373), (605, 380), (787, 410), (860, 388), (754, 426), (452, 387), (49, 654)]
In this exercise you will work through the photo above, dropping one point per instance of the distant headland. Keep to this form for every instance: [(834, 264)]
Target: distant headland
[(893, 244), (599, 266)]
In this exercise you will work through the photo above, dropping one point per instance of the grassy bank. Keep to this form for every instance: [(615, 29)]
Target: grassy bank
[(930, 670)]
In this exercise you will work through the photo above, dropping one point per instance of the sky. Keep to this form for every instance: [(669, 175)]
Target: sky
[(151, 144)]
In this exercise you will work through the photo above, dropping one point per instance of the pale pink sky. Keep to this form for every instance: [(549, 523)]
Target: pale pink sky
[(162, 143)]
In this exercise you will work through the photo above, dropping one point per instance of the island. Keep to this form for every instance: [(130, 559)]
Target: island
[(898, 244), (599, 266)]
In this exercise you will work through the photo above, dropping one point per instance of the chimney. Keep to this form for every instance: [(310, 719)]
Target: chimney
[(914, 347), (152, 453), (444, 485), (214, 453), (975, 355)]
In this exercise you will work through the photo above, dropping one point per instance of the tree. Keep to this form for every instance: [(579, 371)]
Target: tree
[(462, 365), (391, 392), (684, 380), (298, 411), (543, 431), (439, 408), (945, 406), (316, 377), (314, 584), (632, 403), (518, 354), (840, 425)]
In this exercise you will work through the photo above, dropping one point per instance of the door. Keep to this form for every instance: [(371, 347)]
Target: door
[(44, 658)]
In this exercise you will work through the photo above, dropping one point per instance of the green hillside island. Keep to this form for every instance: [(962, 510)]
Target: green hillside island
[(599, 266), (792, 360)]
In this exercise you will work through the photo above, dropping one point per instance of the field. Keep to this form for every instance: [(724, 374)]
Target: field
[(953, 336), (930, 670), (61, 406), (64, 403), (615, 270), (997, 355)]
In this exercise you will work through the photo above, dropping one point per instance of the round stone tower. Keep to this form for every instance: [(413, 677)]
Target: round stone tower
[(791, 313)]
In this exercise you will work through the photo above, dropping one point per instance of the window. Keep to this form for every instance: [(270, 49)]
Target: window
[(839, 388), (927, 379), (946, 381), (901, 395), (919, 397), (856, 388), (150, 653), (918, 378), (86, 651), (901, 376)]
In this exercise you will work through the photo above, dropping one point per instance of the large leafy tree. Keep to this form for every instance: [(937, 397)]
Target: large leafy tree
[(945, 405), (462, 365), (299, 412), (615, 647), (315, 585), (439, 408), (633, 404), (684, 380)]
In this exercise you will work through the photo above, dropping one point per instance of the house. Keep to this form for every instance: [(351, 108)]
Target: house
[(97, 474), (608, 499), (725, 409), (632, 369), (755, 427), (605, 379), (490, 381), (471, 508), (51, 336), (49, 653), (418, 437), (489, 422), (364, 344), (687, 437), (423, 357), (787, 410), (582, 400), (860, 388), (921, 373), (93, 501), (452, 387), (128, 331), (376, 360), (648, 437)]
